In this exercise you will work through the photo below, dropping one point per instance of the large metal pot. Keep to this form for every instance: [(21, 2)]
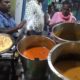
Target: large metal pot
[(34, 69), (66, 32), (64, 51)]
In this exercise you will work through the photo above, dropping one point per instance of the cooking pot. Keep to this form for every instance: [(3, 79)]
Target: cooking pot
[(66, 32), (62, 51), (10, 37), (34, 69)]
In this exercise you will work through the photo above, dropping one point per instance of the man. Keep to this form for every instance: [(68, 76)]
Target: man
[(7, 23), (65, 16), (76, 10), (35, 17)]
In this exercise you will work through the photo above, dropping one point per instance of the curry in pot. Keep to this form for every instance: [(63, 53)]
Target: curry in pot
[(69, 67), (33, 53)]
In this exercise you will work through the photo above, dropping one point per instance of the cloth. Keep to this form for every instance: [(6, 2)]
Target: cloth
[(59, 17), (34, 16)]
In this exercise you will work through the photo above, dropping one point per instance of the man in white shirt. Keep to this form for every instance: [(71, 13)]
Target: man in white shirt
[(35, 17)]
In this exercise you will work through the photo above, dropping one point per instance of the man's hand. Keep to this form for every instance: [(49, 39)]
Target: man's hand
[(21, 24), (12, 30)]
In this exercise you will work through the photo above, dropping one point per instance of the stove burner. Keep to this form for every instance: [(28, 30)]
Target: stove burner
[(4, 70)]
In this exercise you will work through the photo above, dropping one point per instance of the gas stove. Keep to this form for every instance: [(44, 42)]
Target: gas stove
[(10, 67), (7, 67), (5, 70)]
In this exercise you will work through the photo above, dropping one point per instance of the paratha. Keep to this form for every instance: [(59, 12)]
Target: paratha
[(5, 42)]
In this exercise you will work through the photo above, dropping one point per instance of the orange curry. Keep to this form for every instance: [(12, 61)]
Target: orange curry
[(36, 52), (70, 69)]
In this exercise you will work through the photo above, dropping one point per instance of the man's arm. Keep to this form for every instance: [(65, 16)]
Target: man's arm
[(11, 30)]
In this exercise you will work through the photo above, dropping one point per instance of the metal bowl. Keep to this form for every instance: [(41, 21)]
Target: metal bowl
[(66, 32), (34, 41), (34, 69), (72, 49)]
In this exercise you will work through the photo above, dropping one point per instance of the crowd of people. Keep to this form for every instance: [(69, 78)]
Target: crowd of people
[(69, 13), (35, 19)]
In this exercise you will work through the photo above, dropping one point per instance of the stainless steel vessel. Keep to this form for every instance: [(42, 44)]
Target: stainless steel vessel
[(34, 69), (66, 32), (60, 51)]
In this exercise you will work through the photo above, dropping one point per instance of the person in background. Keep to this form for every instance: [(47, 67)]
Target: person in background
[(51, 11), (76, 9), (48, 13), (64, 16), (48, 17), (35, 17), (53, 8), (7, 23)]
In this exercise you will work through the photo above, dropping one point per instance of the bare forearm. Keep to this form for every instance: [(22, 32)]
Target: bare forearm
[(7, 30), (11, 30)]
